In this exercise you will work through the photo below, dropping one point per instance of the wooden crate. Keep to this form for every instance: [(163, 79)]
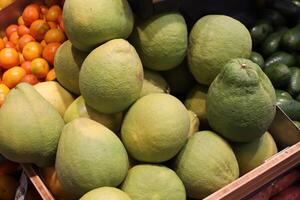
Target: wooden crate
[(37, 182), (260, 176), (283, 130), (287, 136)]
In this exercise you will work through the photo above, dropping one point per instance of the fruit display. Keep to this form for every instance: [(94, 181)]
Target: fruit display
[(35, 139), (27, 50), (108, 105), (215, 40), (276, 45)]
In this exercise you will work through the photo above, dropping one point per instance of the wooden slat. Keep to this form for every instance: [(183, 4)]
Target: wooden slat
[(252, 181), (37, 182)]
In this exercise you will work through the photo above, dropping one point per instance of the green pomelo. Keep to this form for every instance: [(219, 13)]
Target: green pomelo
[(194, 123), (56, 95), (30, 127), (196, 101), (145, 182), (213, 41), (153, 83), (79, 109), (161, 41), (251, 155), (89, 156), (106, 193), (111, 77), (206, 164), (90, 23), (67, 64), (155, 128), (180, 79), (241, 102)]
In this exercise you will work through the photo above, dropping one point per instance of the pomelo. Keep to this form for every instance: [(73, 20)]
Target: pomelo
[(111, 77), (51, 181), (155, 128), (67, 64), (206, 164), (79, 109), (89, 156), (106, 193), (213, 41), (194, 123), (153, 182), (241, 102), (55, 94), (153, 83), (196, 101), (251, 155), (30, 127), (161, 41), (179, 79), (90, 23)]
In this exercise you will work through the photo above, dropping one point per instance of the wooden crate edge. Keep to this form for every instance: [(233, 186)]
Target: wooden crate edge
[(37, 182), (255, 179)]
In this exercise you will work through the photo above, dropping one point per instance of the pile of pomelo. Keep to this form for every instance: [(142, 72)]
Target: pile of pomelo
[(143, 109)]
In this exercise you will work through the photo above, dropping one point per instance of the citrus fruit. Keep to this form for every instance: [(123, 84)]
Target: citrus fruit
[(13, 76), (9, 57), (213, 41)]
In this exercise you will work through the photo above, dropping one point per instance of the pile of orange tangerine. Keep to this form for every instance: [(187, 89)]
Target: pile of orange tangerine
[(28, 48)]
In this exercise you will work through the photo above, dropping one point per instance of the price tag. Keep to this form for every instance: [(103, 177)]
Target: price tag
[(22, 189)]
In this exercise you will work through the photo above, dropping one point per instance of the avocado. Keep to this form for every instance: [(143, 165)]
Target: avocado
[(294, 82), (291, 39), (257, 58), (281, 94), (272, 43), (281, 57), (279, 74), (260, 31), (274, 17), (290, 107)]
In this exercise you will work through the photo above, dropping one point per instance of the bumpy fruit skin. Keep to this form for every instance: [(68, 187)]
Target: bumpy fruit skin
[(155, 128), (153, 83), (79, 109), (205, 164), (106, 193), (111, 77), (252, 154), (196, 101), (30, 127), (67, 64), (194, 123), (241, 102), (90, 23), (89, 156), (161, 41), (153, 182), (56, 95), (213, 41)]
